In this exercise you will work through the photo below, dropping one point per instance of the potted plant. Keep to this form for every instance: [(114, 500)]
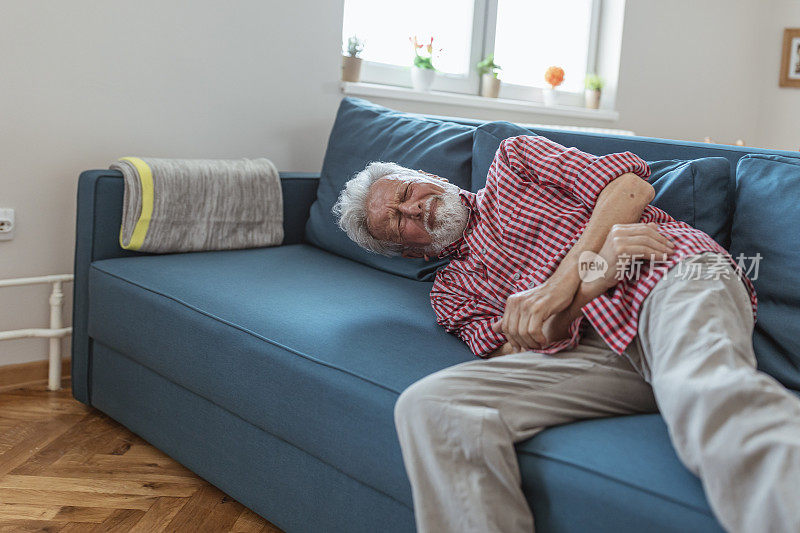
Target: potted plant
[(351, 63), (490, 83), (554, 76), (594, 85), (423, 72)]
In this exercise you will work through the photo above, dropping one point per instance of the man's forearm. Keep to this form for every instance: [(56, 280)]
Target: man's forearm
[(621, 202), (557, 327)]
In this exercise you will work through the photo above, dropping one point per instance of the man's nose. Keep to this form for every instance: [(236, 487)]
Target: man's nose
[(412, 209)]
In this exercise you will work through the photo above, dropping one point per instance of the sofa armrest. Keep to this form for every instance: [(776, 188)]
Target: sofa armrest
[(97, 237), (299, 192)]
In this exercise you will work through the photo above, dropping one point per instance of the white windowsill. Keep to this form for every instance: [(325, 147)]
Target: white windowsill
[(469, 100)]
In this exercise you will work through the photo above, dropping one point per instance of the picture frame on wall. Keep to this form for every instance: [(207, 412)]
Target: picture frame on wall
[(790, 58)]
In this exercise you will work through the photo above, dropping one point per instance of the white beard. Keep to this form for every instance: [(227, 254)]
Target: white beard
[(451, 219)]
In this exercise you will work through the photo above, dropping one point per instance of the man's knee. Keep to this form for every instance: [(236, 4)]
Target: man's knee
[(413, 404)]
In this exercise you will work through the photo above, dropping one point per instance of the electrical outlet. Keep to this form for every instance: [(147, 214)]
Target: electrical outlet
[(6, 224)]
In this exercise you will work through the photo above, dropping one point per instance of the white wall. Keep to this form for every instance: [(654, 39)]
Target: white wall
[(87, 81), (778, 124), (686, 69)]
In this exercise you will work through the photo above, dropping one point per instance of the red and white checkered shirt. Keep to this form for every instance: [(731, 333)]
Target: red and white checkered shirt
[(538, 198)]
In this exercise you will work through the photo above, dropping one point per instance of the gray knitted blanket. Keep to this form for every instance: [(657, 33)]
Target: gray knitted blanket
[(186, 205)]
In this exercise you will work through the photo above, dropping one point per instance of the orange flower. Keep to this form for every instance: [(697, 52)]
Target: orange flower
[(554, 76)]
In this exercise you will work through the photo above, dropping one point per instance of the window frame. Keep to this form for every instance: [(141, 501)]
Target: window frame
[(484, 28)]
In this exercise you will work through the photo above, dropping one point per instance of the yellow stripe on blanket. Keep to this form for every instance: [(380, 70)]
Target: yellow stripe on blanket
[(140, 229)]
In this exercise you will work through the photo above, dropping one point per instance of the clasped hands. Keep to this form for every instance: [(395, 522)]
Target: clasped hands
[(537, 317)]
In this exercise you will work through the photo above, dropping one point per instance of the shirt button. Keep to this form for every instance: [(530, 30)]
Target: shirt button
[(516, 276), (483, 251), (467, 232)]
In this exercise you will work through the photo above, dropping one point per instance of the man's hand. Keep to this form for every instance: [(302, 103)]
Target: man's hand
[(528, 310), (626, 242), (505, 349)]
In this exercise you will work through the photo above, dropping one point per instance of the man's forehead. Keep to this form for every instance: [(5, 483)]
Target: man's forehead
[(381, 192), (391, 181)]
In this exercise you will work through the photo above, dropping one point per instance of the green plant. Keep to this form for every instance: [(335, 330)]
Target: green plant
[(594, 82), (488, 66), (424, 60), (354, 46)]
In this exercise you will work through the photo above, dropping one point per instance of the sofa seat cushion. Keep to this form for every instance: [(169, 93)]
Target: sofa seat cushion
[(612, 475), (309, 346), (314, 349), (765, 223)]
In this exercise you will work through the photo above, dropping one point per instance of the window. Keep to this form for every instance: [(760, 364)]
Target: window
[(526, 36), (386, 27)]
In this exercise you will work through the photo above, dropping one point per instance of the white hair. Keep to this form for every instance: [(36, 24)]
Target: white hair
[(351, 207)]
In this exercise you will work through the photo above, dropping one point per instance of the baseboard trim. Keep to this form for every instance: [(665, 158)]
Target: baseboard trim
[(28, 374)]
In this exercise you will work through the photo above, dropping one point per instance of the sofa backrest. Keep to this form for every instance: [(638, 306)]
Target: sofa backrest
[(765, 232), (648, 148)]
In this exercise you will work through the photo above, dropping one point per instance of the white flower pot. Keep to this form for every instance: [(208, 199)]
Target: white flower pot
[(490, 86), (592, 98), (549, 96), (422, 78)]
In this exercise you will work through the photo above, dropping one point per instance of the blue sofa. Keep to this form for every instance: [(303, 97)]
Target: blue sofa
[(273, 372)]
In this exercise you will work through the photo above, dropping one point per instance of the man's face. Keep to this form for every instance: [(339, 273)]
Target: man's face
[(409, 211)]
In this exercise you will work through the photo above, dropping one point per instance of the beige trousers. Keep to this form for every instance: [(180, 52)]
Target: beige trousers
[(736, 428)]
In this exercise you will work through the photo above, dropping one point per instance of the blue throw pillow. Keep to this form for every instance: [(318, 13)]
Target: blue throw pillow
[(694, 191), (365, 132), (766, 221)]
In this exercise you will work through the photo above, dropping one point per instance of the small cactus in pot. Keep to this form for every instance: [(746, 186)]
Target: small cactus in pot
[(351, 62)]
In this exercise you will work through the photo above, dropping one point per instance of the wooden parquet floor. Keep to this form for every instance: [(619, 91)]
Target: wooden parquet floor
[(67, 467)]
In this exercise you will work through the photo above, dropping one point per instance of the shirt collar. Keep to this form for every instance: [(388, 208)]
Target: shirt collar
[(470, 200)]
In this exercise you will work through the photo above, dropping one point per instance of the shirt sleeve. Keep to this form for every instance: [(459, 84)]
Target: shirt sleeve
[(571, 341), (583, 175), (469, 319)]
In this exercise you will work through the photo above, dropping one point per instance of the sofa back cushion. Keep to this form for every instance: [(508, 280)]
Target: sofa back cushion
[(695, 191), (365, 132), (766, 221)]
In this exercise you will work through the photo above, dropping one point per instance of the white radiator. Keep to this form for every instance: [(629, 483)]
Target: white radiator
[(56, 330)]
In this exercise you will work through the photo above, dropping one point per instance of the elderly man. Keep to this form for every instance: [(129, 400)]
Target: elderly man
[(541, 287)]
